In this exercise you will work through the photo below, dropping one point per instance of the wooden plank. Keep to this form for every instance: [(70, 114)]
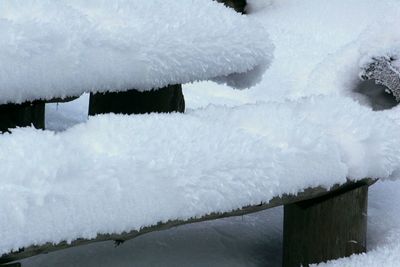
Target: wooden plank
[(22, 115), (325, 228), (167, 99), (277, 201)]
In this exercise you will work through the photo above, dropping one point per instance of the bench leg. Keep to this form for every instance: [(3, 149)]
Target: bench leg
[(164, 100), (22, 115), (325, 228)]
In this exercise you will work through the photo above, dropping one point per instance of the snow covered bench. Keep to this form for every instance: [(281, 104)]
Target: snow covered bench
[(113, 48), (320, 224), (95, 182)]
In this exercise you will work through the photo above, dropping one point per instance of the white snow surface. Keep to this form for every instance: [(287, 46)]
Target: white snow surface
[(321, 44), (118, 173), (66, 47)]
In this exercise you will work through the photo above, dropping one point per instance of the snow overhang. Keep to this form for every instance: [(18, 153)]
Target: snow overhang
[(65, 48)]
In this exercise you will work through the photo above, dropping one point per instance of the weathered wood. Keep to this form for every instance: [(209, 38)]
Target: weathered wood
[(277, 201), (167, 99), (22, 115), (325, 228), (238, 5)]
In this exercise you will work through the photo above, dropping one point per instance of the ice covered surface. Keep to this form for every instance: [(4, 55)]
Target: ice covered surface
[(134, 171), (63, 48)]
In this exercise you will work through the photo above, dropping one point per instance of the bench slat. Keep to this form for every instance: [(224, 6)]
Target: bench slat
[(310, 193)]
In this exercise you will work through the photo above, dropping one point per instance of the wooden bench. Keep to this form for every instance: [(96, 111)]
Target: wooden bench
[(166, 99), (319, 224)]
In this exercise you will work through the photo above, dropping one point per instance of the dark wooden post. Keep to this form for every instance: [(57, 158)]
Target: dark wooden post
[(21, 115), (167, 99), (325, 228), (238, 5)]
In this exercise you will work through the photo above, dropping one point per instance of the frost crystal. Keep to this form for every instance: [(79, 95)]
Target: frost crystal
[(383, 71)]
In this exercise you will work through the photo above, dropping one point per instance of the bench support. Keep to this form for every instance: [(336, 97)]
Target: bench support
[(325, 228), (167, 99), (22, 115)]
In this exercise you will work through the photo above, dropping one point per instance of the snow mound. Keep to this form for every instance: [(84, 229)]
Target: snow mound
[(320, 44), (67, 47), (135, 171)]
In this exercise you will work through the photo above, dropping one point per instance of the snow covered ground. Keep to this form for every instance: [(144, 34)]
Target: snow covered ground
[(320, 46)]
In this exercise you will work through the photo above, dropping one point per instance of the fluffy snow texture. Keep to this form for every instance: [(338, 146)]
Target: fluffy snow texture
[(119, 173), (134, 171), (67, 47), (320, 45)]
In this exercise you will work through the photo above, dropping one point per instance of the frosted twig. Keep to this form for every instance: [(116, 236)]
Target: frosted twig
[(385, 73)]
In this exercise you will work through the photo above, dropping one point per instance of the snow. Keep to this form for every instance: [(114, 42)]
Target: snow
[(160, 167), (321, 44), (253, 240), (304, 125), (64, 48)]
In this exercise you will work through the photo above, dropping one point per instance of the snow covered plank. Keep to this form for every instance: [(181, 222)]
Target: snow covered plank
[(166, 99), (64, 48), (287, 199), (162, 167)]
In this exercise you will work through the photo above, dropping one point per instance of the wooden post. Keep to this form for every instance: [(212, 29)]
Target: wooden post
[(238, 5), (325, 228), (22, 115), (167, 99)]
